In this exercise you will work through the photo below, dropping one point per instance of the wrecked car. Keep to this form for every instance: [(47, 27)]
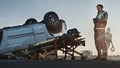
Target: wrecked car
[(34, 40)]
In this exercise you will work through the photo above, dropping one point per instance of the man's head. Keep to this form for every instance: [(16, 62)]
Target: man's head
[(108, 29), (99, 7)]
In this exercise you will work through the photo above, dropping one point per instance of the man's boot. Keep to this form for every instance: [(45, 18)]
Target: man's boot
[(105, 55), (99, 55)]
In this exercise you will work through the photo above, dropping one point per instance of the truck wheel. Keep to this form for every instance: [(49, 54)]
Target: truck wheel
[(52, 22), (30, 21), (51, 19)]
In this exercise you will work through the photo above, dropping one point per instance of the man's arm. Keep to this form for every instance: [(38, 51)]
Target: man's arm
[(112, 43), (112, 48), (104, 18)]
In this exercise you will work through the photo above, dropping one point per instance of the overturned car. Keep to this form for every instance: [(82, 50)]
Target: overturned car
[(35, 40)]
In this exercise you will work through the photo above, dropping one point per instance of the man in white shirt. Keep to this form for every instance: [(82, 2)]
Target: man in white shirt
[(100, 23), (108, 39)]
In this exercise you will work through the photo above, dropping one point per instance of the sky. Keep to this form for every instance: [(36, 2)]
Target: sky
[(77, 14)]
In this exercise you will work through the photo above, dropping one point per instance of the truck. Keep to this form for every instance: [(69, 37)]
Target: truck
[(34, 40)]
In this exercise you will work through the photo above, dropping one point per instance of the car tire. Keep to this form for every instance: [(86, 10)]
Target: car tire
[(52, 22), (30, 21)]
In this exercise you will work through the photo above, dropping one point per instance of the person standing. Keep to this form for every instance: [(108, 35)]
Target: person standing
[(108, 39), (100, 23)]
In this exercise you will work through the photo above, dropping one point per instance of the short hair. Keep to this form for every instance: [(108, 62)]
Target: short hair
[(100, 5)]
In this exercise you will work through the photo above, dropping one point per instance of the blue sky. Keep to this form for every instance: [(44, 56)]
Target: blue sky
[(77, 14)]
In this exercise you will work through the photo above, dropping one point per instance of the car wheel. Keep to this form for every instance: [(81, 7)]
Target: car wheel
[(30, 21), (52, 22)]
